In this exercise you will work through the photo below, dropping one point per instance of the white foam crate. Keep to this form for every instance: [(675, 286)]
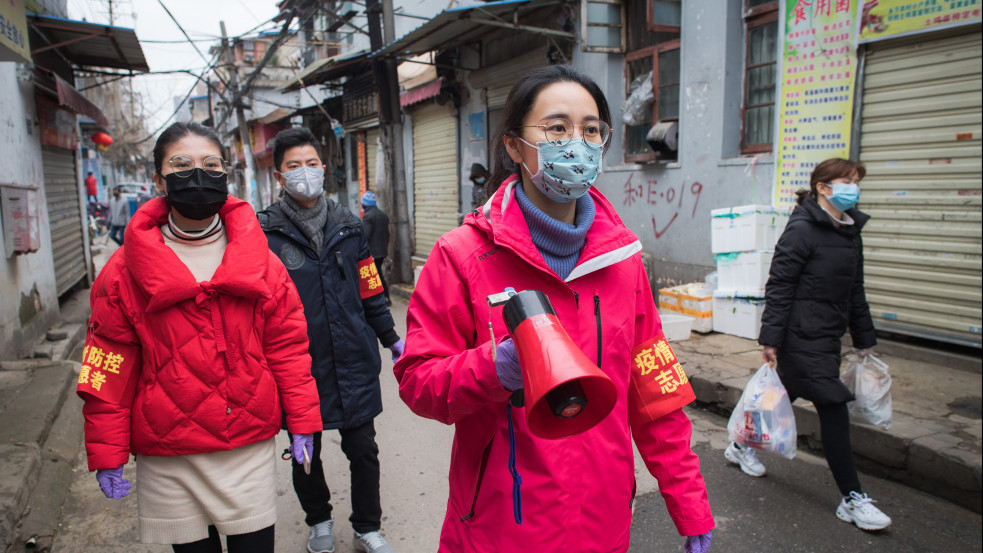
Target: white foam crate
[(743, 270), (676, 327), (737, 314), (746, 228)]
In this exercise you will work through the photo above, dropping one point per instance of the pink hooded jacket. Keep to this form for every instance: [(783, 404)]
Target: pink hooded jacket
[(576, 492)]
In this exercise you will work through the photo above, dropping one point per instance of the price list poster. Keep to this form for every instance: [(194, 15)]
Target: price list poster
[(818, 70)]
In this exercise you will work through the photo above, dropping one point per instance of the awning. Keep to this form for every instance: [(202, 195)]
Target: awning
[(458, 26), (328, 69), (70, 97), (89, 44), (419, 93), (275, 115)]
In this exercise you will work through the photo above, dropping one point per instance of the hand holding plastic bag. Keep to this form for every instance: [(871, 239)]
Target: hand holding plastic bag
[(763, 417), (867, 377)]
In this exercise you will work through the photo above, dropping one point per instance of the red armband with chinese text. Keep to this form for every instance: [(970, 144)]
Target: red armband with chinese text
[(658, 383), (107, 368), (369, 281)]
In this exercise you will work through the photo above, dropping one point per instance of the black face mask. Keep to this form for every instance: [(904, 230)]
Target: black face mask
[(198, 196)]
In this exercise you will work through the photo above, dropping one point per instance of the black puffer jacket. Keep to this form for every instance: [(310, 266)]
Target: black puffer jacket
[(342, 325), (376, 224), (815, 292)]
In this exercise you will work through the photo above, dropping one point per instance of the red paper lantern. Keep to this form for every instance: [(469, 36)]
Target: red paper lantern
[(102, 139)]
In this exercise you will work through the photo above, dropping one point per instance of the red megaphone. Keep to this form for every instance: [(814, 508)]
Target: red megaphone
[(565, 393)]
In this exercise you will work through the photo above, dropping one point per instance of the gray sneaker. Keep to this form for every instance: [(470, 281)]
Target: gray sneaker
[(372, 542), (321, 539)]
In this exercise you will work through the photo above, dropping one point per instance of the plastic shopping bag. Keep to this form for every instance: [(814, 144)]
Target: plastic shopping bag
[(868, 380), (763, 417)]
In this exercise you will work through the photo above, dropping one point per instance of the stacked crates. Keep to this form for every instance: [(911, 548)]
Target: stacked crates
[(743, 241)]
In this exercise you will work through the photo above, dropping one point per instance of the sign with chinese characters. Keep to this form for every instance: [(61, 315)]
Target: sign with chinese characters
[(659, 384), (362, 167), (13, 32), (106, 369), (369, 281), (816, 90), (880, 19)]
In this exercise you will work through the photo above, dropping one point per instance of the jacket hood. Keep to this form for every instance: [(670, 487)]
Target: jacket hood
[(811, 208), (158, 271), (608, 240)]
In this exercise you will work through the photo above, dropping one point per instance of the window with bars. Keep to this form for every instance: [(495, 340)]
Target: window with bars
[(760, 75)]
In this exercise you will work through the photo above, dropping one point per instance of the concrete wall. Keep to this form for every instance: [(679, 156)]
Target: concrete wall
[(28, 301), (668, 204)]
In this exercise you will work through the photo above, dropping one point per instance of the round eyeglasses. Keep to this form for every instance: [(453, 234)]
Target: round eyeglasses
[(183, 166), (559, 132)]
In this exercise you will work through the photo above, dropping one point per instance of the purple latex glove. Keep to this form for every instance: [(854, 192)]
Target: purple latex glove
[(699, 544), (397, 349), (301, 443), (507, 366), (112, 483)]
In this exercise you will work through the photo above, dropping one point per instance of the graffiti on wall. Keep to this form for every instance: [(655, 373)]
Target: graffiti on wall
[(651, 194)]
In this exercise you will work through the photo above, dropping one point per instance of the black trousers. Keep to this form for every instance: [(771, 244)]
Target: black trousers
[(359, 446), (260, 541), (834, 427), (385, 285)]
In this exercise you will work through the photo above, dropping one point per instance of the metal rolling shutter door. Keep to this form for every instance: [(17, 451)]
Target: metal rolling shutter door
[(434, 175), (499, 79), (61, 191), (920, 140)]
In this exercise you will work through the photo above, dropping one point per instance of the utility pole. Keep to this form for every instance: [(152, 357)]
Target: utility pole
[(391, 134), (247, 150)]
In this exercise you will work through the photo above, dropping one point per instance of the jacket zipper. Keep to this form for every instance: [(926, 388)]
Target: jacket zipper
[(481, 476), (576, 299), (597, 320)]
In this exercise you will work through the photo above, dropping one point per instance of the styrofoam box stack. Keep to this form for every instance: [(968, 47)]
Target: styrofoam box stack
[(746, 228), (743, 270), (676, 327), (737, 313), (691, 300)]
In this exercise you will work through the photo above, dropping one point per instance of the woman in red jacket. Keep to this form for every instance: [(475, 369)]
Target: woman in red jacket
[(197, 346), (548, 229)]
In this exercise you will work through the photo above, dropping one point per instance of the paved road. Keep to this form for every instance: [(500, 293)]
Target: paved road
[(790, 510)]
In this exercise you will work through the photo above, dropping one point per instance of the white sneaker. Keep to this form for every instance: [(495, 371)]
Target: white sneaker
[(859, 509), (321, 539), (746, 457), (372, 542)]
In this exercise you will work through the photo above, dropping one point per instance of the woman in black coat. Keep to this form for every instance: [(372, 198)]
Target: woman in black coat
[(815, 292)]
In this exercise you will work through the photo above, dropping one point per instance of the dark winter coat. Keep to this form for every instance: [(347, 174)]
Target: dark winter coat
[(344, 316), (815, 292), (376, 224)]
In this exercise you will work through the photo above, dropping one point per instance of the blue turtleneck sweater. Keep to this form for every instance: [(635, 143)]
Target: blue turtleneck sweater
[(559, 243)]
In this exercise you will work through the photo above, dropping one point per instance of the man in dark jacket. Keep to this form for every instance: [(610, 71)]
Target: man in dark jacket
[(376, 224), (324, 248)]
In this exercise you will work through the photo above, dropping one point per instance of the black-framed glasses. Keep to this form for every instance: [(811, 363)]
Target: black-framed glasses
[(183, 166), (559, 132)]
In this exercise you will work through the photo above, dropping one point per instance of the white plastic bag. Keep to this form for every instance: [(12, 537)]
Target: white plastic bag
[(763, 417), (868, 380), (639, 100)]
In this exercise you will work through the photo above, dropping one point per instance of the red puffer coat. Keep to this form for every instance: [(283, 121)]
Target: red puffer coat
[(176, 367), (576, 492)]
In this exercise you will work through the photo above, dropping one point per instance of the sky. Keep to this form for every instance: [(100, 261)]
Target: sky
[(200, 18)]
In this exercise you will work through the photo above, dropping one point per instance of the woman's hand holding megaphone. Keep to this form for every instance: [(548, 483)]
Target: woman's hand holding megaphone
[(507, 365)]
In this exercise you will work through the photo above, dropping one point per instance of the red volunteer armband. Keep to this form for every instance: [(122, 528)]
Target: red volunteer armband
[(107, 367), (369, 281), (658, 382)]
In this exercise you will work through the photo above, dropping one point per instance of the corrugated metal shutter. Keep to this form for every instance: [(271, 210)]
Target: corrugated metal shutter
[(920, 140), (501, 77), (435, 193), (61, 190), (371, 154)]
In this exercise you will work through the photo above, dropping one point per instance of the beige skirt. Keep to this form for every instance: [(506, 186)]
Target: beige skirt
[(179, 497)]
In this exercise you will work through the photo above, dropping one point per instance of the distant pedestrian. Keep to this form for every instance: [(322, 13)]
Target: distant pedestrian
[(479, 185), (815, 293), (376, 224), (119, 216), (91, 188), (324, 247), (197, 346)]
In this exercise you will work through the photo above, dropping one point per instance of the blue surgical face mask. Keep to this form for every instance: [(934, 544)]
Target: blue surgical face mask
[(479, 180), (845, 195), (566, 172)]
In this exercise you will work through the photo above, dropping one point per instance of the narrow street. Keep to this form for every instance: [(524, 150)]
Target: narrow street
[(791, 509)]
